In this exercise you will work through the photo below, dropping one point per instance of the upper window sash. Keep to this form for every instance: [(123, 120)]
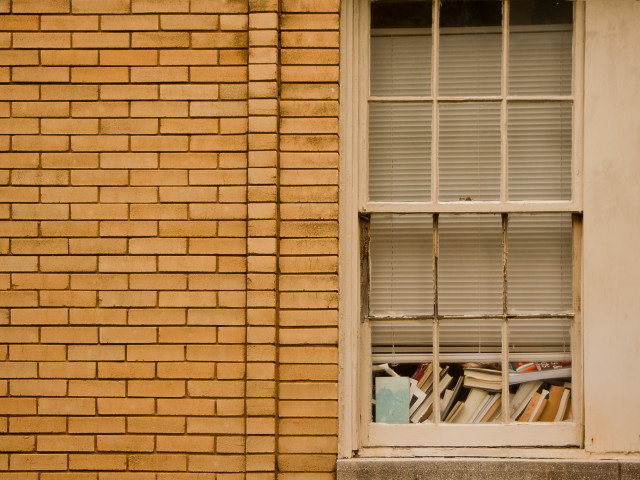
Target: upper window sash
[(433, 203)]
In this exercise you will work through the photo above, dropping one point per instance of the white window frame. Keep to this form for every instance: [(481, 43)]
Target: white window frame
[(357, 433)]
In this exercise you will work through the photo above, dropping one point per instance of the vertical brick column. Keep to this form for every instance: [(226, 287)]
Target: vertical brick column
[(262, 238), (308, 263)]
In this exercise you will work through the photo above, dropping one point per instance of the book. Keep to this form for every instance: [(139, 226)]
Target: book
[(522, 397), (493, 411), (482, 408), (451, 402), (421, 411), (562, 407), (550, 411), (526, 372), (392, 399), (483, 378), (528, 411), (471, 404), (453, 413)]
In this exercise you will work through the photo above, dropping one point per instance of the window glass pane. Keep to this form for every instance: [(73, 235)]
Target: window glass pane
[(469, 151), (539, 270), (401, 341), (470, 264), (400, 152), (401, 48), (401, 265), (540, 47), (470, 47), (540, 151), (479, 338), (540, 370)]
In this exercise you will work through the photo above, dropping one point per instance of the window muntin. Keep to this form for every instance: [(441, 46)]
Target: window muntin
[(514, 153)]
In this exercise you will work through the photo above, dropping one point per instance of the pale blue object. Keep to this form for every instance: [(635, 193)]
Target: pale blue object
[(392, 399)]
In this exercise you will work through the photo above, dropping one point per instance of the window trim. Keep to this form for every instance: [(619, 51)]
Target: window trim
[(356, 432)]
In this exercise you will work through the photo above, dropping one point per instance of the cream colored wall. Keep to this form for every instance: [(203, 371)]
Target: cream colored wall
[(612, 226)]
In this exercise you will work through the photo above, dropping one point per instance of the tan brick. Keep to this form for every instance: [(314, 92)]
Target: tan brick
[(65, 443), (99, 143), (159, 74), (67, 369), (125, 406), (127, 299), (213, 425), (159, 353), (40, 142), (68, 264), (99, 74), (97, 245), (187, 299), (132, 92), (18, 299), (230, 444), (96, 388), (104, 6), (17, 57), (17, 406), (97, 462), (128, 194), (159, 39), (188, 57), (128, 228), (219, 6), (37, 424), (27, 316), (18, 369), (19, 92), (216, 463), (156, 388), (158, 462), (96, 352), (69, 334), (69, 92), (69, 194), (97, 316), (69, 57), (158, 212), (186, 370), (128, 335), (69, 22), (18, 22), (99, 109), (37, 352), (192, 228), (129, 22), (128, 126), (100, 40), (69, 229), (189, 22), (126, 370), (41, 40), (40, 109), (39, 177), (156, 425), (77, 298), (97, 425), (128, 57), (186, 406), (40, 461), (309, 372), (99, 281), (66, 406), (98, 211), (169, 316), (310, 91), (69, 160), (160, 109), (125, 443), (215, 389)]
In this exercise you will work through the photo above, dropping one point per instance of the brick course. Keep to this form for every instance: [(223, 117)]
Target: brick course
[(168, 204)]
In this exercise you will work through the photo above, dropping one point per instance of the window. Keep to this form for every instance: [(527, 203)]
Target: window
[(468, 196)]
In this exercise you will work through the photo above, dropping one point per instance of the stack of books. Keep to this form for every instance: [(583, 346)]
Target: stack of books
[(474, 393)]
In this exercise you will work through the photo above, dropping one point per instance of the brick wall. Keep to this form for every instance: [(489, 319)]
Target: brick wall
[(168, 204)]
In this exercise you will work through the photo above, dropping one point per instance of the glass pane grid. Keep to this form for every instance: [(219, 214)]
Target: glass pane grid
[(503, 282)]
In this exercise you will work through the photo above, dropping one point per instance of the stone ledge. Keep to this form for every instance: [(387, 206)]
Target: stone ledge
[(484, 469)]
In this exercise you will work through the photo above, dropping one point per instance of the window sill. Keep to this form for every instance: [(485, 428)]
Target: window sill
[(483, 468)]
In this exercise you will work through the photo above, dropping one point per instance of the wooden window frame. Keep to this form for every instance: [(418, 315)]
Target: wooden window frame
[(357, 433)]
